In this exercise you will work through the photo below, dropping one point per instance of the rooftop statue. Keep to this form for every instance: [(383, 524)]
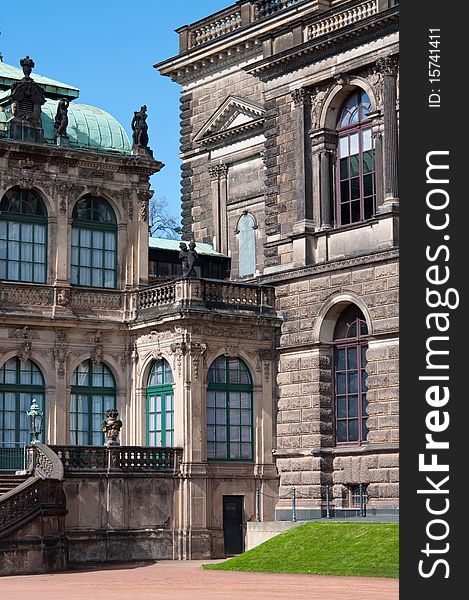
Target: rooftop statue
[(188, 258), (27, 97), (140, 128), (61, 118)]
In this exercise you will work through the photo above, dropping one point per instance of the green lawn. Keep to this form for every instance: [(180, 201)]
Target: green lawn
[(358, 549)]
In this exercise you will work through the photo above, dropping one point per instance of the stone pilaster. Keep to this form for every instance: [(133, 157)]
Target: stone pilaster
[(387, 68), (302, 103)]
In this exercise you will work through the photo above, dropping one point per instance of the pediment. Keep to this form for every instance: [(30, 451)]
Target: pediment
[(234, 117)]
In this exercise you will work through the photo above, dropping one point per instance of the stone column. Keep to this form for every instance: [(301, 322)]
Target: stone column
[(324, 142), (387, 68), (302, 109)]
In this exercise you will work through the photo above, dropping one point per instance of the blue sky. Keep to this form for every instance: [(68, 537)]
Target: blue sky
[(107, 48)]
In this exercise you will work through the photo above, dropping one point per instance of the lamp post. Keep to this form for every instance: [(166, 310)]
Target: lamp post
[(35, 415)]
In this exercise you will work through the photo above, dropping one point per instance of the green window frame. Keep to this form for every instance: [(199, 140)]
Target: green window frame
[(20, 383), (94, 244), (23, 237), (230, 431), (160, 405), (93, 391)]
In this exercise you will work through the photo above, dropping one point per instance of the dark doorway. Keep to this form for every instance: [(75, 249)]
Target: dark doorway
[(233, 530)]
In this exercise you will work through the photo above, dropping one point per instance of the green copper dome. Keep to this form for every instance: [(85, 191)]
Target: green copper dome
[(88, 127)]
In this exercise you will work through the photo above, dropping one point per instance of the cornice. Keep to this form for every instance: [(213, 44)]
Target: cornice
[(41, 155), (337, 265)]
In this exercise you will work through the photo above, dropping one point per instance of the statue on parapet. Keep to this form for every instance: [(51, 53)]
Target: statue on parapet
[(188, 258), (140, 128), (112, 427), (61, 118)]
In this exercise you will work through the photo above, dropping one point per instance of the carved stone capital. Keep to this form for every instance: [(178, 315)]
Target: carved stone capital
[(217, 172), (197, 351), (301, 96), (387, 65)]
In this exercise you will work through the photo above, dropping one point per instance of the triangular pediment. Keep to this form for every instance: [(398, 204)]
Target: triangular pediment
[(235, 116)]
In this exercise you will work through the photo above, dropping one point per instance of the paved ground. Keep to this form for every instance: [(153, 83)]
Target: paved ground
[(187, 581)]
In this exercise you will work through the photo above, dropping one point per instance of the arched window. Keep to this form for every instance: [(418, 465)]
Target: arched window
[(247, 245), (94, 244), (23, 237), (20, 383), (355, 161), (160, 405), (350, 376), (229, 410), (93, 393)]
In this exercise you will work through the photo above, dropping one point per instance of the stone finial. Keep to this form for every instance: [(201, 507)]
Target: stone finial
[(112, 427)]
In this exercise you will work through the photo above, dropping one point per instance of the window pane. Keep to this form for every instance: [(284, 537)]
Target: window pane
[(246, 451), (367, 162), (367, 140), (353, 430), (344, 171), (341, 407), (354, 148), (221, 451), (354, 166), (351, 358), (368, 185), (344, 192), (341, 431), (340, 359), (340, 383), (369, 207), (353, 406), (345, 214), (343, 147), (355, 188), (355, 210)]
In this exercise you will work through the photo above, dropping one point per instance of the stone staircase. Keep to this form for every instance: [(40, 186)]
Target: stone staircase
[(32, 516), (9, 482)]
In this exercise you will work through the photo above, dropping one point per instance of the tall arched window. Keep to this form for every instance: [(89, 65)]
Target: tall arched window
[(93, 392), (355, 161), (20, 383), (229, 410), (23, 236), (247, 245), (94, 244), (350, 376), (160, 405)]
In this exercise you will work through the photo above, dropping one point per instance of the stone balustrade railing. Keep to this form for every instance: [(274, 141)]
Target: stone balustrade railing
[(342, 19), (250, 12), (44, 462), (161, 295), (118, 459), (32, 498), (266, 8), (209, 294), (222, 25)]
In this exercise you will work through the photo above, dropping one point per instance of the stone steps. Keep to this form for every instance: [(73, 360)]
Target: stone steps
[(8, 482)]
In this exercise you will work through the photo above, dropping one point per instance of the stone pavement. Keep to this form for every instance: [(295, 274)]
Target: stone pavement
[(183, 580)]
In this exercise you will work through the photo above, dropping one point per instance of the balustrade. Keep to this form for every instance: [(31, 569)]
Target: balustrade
[(208, 293), (118, 459), (342, 19)]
